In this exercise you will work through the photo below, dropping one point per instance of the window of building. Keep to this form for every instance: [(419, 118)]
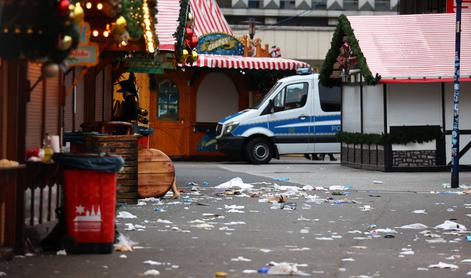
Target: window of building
[(382, 5), (319, 4), (224, 3), (330, 98), (255, 4), (287, 4), (168, 101), (291, 97), (350, 4)]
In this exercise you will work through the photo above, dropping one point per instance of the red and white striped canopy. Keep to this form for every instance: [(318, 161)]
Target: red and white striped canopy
[(207, 19), (167, 23), (247, 63)]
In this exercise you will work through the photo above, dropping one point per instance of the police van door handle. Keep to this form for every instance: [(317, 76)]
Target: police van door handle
[(302, 117)]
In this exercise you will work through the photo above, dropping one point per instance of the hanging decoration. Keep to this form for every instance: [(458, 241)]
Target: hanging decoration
[(149, 35), (118, 29), (187, 40), (38, 30), (133, 13)]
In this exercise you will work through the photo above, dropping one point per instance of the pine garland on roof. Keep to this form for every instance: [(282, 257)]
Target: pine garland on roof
[(345, 29), (180, 33), (132, 12)]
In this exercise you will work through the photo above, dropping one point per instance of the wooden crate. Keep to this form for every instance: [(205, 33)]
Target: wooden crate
[(126, 147), (156, 173)]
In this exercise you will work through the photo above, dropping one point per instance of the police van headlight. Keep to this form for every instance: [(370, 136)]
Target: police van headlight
[(230, 127)]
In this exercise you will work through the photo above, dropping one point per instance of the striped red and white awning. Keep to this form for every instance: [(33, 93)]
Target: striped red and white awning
[(167, 23), (208, 18), (247, 63)]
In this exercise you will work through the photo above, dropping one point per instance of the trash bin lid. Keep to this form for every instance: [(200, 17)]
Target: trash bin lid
[(78, 137), (106, 163)]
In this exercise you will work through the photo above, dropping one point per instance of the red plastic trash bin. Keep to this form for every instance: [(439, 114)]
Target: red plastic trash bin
[(90, 202)]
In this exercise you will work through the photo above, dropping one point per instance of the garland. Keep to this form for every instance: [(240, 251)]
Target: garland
[(402, 137), (345, 29), (180, 32), (132, 12)]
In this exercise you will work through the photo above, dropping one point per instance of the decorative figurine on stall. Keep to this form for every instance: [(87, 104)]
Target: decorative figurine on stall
[(189, 54), (131, 112)]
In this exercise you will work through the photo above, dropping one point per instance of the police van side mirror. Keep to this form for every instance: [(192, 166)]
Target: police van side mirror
[(269, 109)]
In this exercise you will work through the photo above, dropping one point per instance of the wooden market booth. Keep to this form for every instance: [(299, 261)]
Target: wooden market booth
[(39, 98), (397, 74), (188, 98)]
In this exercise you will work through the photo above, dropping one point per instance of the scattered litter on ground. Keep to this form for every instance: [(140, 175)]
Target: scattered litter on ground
[(249, 271), (324, 238), (415, 226), (407, 252), (61, 253), (150, 262), (451, 226), (288, 269), (265, 250), (377, 182), (281, 179), (124, 244), (422, 269), (123, 256), (359, 247), (220, 274), (443, 265), (300, 249), (241, 259), (126, 215), (348, 260), (366, 208), (436, 240), (152, 272), (308, 188), (235, 183), (419, 211), (340, 187)]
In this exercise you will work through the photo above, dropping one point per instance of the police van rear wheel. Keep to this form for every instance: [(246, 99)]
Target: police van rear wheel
[(259, 151)]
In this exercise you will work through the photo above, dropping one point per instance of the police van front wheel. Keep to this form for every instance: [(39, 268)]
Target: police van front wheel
[(259, 151)]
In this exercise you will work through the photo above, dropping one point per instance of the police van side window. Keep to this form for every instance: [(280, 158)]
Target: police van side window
[(330, 98), (291, 97)]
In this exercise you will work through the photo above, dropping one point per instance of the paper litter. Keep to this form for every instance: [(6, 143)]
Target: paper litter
[(443, 265), (235, 183), (415, 226), (124, 244), (126, 215), (451, 226), (152, 272)]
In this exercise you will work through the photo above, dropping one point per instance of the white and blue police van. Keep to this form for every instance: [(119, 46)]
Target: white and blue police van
[(297, 116)]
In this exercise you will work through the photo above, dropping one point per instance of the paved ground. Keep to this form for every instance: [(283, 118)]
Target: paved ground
[(355, 234)]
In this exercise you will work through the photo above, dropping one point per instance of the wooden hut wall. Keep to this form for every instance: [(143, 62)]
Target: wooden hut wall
[(373, 109), (351, 109)]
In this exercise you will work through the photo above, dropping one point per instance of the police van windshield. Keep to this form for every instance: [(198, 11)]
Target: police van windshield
[(267, 96)]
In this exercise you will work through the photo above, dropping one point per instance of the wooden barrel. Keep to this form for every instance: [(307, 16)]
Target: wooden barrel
[(156, 173), (126, 147)]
